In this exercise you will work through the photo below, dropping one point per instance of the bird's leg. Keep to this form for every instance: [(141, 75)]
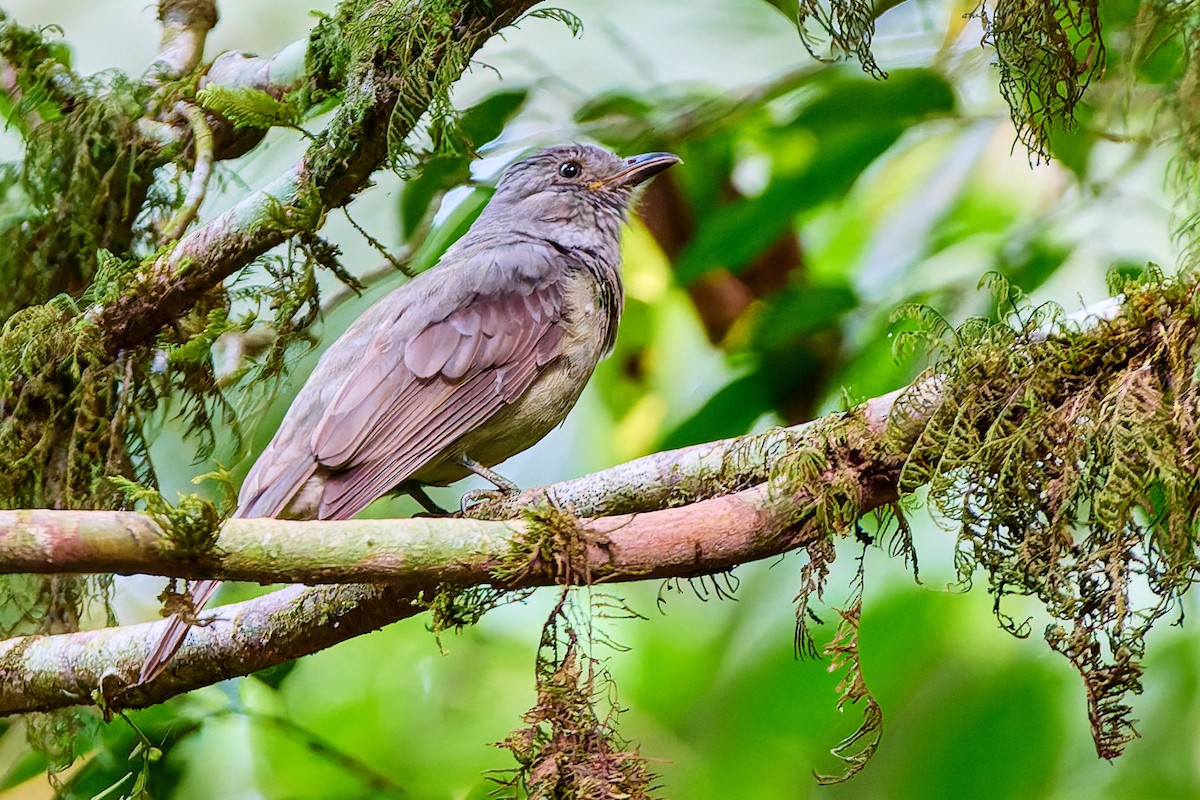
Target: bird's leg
[(503, 484), (417, 492)]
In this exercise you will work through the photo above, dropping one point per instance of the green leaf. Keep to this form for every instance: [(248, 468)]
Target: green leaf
[(729, 412), (248, 107), (574, 23), (478, 125), (27, 765), (844, 130), (799, 311), (484, 121), (438, 176), (454, 226)]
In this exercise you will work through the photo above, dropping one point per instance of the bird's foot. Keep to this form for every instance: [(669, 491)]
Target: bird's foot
[(504, 487), (478, 497), (417, 492)]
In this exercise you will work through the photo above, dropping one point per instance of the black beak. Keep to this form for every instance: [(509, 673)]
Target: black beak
[(639, 169)]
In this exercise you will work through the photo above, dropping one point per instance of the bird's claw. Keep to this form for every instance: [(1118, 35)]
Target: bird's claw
[(477, 497)]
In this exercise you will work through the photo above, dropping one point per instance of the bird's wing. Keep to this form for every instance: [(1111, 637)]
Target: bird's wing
[(437, 363)]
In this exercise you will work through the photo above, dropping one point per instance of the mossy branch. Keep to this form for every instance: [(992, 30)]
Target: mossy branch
[(415, 557), (185, 27), (388, 58)]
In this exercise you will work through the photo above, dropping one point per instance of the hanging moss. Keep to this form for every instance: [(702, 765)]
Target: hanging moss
[(1047, 54), (570, 747), (832, 28), (1067, 466)]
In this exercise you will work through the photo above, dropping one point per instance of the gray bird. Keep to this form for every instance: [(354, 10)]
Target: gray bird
[(465, 365)]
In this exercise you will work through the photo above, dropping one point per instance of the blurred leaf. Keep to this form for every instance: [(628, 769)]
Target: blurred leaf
[(274, 676), (1033, 264), (1072, 147), (484, 121), (26, 766), (799, 311), (907, 97), (851, 124), (705, 181), (438, 176), (788, 7), (451, 228), (614, 104), (729, 412), (478, 125)]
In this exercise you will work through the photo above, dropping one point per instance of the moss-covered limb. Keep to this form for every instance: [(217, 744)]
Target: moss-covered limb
[(707, 536), (46, 672), (185, 27), (276, 75), (258, 550), (38, 673), (202, 146), (677, 477), (397, 59)]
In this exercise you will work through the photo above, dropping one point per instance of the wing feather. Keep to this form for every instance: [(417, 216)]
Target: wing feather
[(428, 351), (349, 491), (421, 369)]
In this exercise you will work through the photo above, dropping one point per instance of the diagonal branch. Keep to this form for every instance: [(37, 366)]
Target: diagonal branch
[(379, 106)]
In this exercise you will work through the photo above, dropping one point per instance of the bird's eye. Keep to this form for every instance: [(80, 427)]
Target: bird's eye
[(569, 169)]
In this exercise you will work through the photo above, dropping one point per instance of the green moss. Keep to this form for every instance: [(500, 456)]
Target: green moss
[(1067, 466), (191, 524), (842, 27), (358, 51), (453, 608), (1047, 53)]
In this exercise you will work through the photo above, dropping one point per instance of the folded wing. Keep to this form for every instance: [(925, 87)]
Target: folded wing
[(419, 371)]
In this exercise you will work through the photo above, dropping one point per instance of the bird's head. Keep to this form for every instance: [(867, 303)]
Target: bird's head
[(575, 184)]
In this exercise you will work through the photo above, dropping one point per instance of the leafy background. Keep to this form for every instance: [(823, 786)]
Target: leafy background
[(761, 280)]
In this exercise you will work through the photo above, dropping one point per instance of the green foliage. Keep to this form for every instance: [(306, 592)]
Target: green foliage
[(191, 524), (445, 169), (1066, 464), (833, 138), (856, 750), (250, 107), (51, 360), (574, 23), (42, 74), (351, 47), (78, 191), (454, 608)]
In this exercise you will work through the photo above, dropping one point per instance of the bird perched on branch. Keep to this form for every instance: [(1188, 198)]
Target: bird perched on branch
[(465, 365)]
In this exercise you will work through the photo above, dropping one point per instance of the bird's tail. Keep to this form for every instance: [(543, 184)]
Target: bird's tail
[(175, 633)]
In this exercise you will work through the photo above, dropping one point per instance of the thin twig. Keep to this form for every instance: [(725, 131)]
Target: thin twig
[(399, 263), (202, 143)]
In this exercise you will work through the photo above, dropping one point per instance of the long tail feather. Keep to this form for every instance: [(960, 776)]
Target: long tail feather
[(176, 631)]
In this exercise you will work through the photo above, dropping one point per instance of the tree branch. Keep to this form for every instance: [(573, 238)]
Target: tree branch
[(415, 556), (185, 27), (676, 477), (202, 142), (382, 103)]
